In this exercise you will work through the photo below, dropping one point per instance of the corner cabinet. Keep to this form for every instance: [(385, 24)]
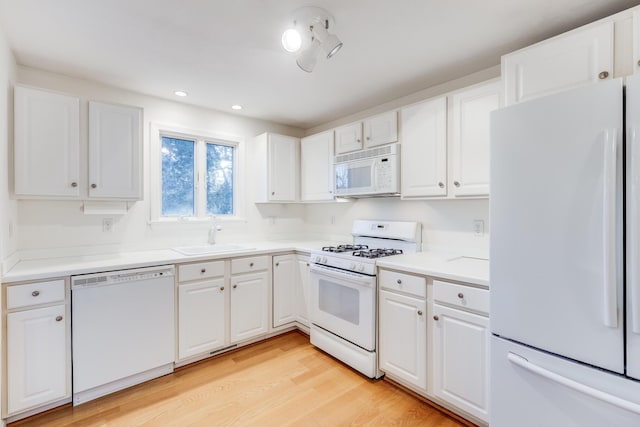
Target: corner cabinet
[(316, 167), (38, 346), (423, 128), (46, 144), (470, 137), (276, 168), (115, 151)]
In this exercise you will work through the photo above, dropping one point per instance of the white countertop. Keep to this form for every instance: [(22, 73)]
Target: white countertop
[(452, 267), (457, 268)]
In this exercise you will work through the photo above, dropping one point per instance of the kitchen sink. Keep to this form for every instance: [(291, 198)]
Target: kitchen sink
[(209, 249)]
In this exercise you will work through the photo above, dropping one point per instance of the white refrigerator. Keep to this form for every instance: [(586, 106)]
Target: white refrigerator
[(565, 254)]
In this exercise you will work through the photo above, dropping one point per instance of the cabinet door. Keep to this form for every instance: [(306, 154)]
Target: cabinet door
[(381, 129), (348, 138), (461, 359), (283, 168), (284, 275), (201, 317), (249, 306), (115, 145), (424, 149), (470, 138), (36, 357), (302, 290), (403, 337), (316, 159), (46, 149), (567, 61)]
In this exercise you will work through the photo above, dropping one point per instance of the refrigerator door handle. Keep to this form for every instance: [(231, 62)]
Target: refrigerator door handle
[(633, 238), (572, 384), (609, 229)]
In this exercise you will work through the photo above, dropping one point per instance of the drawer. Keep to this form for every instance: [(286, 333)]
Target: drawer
[(461, 296), (249, 264), (200, 270), (35, 293), (405, 283)]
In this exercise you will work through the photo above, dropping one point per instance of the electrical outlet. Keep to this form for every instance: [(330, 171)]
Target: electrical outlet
[(478, 227), (107, 225)]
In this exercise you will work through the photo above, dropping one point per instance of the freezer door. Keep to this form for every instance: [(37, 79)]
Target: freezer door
[(556, 219), (530, 388), (633, 226)]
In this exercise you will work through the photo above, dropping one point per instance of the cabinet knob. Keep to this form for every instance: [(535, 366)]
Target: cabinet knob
[(58, 318), (368, 138), (204, 270), (399, 282), (94, 185), (603, 75), (235, 286), (441, 184), (358, 140), (638, 63), (35, 293), (456, 183), (307, 264), (250, 264), (436, 318), (460, 295), (419, 312), (221, 288), (273, 193), (74, 184), (277, 264)]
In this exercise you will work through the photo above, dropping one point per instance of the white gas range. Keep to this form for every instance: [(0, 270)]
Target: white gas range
[(344, 290)]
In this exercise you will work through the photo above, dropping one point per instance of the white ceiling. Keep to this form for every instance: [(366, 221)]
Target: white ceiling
[(226, 52)]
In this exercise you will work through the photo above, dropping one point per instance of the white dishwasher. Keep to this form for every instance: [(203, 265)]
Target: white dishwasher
[(123, 329)]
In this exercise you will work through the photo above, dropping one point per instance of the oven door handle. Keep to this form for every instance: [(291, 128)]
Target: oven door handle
[(359, 279)]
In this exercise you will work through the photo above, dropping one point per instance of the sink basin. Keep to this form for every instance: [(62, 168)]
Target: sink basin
[(209, 249)]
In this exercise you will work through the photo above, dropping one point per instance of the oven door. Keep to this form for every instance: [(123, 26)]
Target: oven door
[(343, 303)]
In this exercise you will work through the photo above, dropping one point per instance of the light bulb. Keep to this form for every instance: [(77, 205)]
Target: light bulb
[(291, 40)]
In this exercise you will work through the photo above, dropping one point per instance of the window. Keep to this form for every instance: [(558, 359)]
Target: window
[(198, 176)]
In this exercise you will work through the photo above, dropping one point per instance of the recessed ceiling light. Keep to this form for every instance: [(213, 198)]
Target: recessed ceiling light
[(181, 93), (236, 107)]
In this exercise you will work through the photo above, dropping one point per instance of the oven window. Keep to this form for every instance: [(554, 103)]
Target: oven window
[(340, 301), (353, 177)]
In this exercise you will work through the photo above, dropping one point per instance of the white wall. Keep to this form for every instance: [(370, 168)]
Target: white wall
[(54, 224), (8, 207)]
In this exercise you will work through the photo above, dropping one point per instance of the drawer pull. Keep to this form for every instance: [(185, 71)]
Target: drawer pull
[(436, 318), (204, 270), (58, 318), (235, 286), (399, 282), (456, 183), (221, 288), (603, 75), (460, 295), (94, 185), (35, 293), (419, 312), (441, 184), (250, 264), (74, 184)]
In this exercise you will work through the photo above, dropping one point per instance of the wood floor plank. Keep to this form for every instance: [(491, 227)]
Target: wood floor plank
[(284, 381)]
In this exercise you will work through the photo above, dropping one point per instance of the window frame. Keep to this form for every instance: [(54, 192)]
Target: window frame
[(201, 140)]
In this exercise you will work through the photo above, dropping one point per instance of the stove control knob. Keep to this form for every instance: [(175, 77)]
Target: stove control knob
[(361, 268), (318, 259), (352, 266), (324, 259)]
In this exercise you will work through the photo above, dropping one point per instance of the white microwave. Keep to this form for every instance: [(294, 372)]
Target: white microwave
[(375, 171)]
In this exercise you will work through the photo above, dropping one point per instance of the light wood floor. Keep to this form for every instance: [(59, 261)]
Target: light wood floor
[(283, 381)]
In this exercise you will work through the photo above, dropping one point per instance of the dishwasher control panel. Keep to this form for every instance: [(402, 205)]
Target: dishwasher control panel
[(122, 276)]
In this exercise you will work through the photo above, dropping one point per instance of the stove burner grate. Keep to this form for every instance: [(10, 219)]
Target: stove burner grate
[(344, 248), (376, 253)]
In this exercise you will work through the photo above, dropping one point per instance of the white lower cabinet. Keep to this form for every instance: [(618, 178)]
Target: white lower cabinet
[(403, 337), (201, 317), (38, 360), (249, 305), (284, 284), (461, 348)]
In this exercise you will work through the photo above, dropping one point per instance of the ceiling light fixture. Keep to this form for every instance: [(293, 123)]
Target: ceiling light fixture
[(236, 107), (180, 93), (309, 35)]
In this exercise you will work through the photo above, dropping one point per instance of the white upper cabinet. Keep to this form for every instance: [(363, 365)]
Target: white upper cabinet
[(276, 168), (469, 127), (423, 132), (47, 143), (574, 59), (316, 159), (115, 148), (348, 138), (381, 129)]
